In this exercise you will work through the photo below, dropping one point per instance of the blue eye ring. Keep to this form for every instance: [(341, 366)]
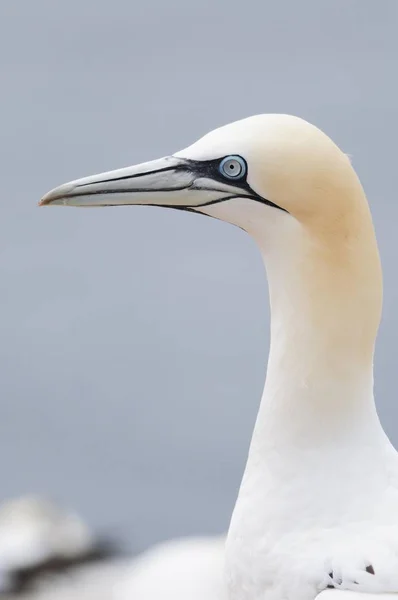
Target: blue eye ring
[(233, 167)]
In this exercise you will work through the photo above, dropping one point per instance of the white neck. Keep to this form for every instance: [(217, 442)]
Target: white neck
[(325, 297)]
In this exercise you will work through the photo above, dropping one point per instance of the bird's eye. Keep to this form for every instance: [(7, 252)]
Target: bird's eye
[(233, 167)]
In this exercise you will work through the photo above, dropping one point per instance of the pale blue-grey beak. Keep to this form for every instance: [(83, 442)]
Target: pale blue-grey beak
[(171, 181)]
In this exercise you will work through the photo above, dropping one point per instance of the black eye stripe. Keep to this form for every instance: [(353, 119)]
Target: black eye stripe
[(210, 170)]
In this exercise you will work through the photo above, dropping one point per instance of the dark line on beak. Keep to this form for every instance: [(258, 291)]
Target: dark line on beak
[(192, 208), (188, 208), (249, 196), (127, 191), (125, 177)]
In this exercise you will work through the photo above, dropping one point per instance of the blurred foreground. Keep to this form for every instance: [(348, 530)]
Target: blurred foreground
[(48, 553)]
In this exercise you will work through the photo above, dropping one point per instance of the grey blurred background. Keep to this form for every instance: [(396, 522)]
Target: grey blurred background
[(134, 340)]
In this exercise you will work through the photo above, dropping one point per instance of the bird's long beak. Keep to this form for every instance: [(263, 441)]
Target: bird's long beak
[(171, 181)]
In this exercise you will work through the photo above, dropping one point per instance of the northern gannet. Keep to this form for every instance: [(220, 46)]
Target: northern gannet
[(318, 504)]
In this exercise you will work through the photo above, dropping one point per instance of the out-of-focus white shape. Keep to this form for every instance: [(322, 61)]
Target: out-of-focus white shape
[(183, 569), (34, 529)]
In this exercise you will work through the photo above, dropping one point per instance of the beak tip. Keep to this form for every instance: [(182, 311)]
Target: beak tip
[(48, 198), (56, 196)]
